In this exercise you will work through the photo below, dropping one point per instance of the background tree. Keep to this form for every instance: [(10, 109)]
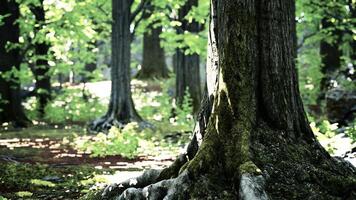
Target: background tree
[(121, 107), (325, 54), (187, 65), (153, 57), (10, 99), (257, 132), (41, 68)]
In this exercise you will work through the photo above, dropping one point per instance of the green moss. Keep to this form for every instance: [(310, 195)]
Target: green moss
[(24, 194), (249, 167)]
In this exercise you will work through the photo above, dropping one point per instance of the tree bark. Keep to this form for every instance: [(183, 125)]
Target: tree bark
[(187, 66), (257, 143), (121, 107), (41, 69), (330, 58), (154, 60), (11, 109)]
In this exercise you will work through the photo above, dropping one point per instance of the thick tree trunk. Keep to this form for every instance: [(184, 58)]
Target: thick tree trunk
[(10, 100), (41, 69), (257, 143), (330, 58), (187, 66), (121, 107), (154, 61)]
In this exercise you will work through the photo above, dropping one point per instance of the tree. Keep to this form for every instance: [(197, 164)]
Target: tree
[(257, 143), (153, 58), (41, 68), (10, 99), (121, 107), (187, 65)]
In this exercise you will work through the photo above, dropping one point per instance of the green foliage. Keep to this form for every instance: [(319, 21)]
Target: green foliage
[(159, 108), (184, 112), (70, 106), (310, 33), (2, 198), (122, 142), (24, 194), (26, 180), (325, 132), (309, 75), (351, 131)]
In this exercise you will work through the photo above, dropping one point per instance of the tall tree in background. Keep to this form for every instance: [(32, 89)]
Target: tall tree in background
[(10, 100), (41, 67), (187, 66), (121, 107), (153, 58), (330, 47), (257, 143)]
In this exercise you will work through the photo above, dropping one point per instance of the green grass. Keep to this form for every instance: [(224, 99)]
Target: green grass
[(43, 132), (28, 181)]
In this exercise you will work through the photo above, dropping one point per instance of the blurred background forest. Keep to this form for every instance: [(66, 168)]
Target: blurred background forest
[(57, 140)]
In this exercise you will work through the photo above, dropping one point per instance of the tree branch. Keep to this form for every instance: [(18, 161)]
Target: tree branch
[(137, 22), (139, 8)]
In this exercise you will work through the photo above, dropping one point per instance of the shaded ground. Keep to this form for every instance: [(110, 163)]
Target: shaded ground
[(32, 160)]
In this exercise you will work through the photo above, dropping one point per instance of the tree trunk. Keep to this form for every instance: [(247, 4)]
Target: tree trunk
[(41, 69), (187, 66), (330, 58), (352, 8), (154, 61), (121, 107), (257, 143), (10, 100)]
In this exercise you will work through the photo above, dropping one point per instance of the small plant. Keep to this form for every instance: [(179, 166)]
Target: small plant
[(118, 141), (24, 194), (325, 133), (70, 106), (184, 116), (351, 131)]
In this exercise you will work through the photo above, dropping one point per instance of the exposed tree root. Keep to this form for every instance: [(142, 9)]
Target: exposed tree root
[(287, 168), (104, 124)]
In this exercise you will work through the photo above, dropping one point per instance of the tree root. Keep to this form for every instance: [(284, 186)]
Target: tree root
[(104, 124)]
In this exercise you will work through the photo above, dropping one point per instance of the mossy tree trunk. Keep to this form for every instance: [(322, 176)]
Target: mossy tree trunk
[(121, 107), (257, 143), (42, 68), (187, 66), (10, 100)]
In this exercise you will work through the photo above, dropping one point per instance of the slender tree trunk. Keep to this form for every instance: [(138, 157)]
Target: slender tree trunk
[(121, 107), (41, 69), (187, 66), (257, 143), (10, 100), (330, 58)]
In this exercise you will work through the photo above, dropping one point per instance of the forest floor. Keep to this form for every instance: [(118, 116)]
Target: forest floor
[(44, 161), (41, 163)]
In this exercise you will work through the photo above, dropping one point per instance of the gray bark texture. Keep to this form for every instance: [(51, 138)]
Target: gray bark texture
[(121, 107), (254, 142)]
